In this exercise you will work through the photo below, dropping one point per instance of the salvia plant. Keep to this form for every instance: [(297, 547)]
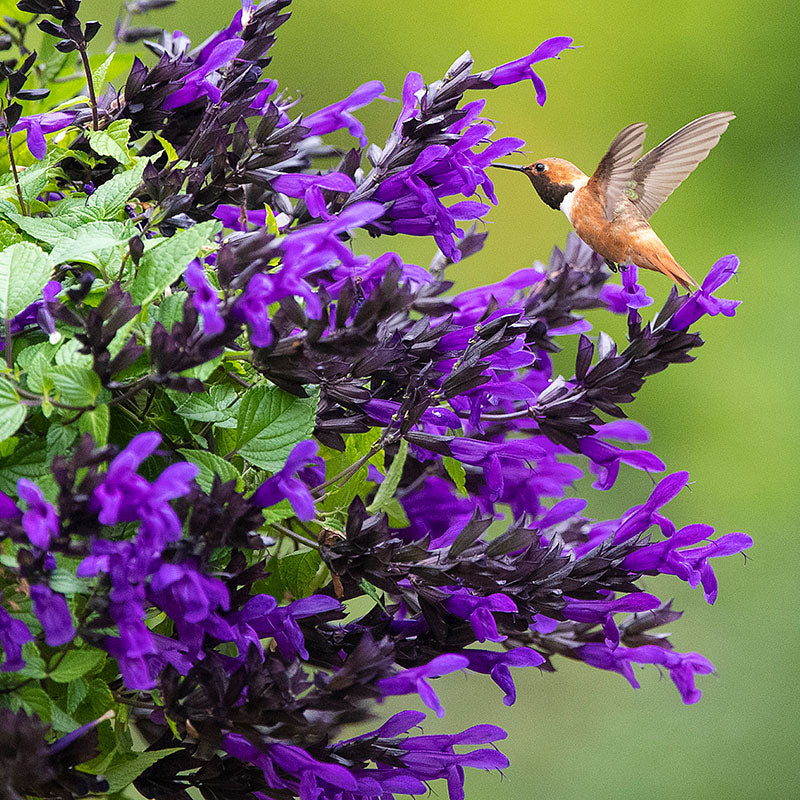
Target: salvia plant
[(253, 482)]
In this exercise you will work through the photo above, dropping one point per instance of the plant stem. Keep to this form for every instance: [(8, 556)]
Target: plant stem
[(90, 83)]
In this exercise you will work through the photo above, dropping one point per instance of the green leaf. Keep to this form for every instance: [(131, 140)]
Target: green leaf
[(8, 235), (77, 386), (109, 200), (271, 422), (172, 153), (390, 483), (12, 412), (124, 773), (212, 406), (24, 271), (92, 243), (97, 422), (58, 440), (26, 461), (455, 470), (210, 465), (371, 591), (76, 693), (357, 446), (165, 262), (298, 571), (76, 664), (278, 512), (395, 513), (113, 141), (99, 73), (50, 230), (60, 720), (35, 700)]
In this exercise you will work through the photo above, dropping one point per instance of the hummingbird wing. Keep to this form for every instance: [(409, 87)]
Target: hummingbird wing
[(658, 173), (614, 173)]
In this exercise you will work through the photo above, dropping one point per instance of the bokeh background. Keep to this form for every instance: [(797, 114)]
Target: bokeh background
[(730, 418)]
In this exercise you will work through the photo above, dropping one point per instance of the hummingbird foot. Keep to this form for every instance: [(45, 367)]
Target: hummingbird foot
[(612, 265)]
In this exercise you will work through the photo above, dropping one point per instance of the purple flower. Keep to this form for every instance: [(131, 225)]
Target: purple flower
[(639, 518), (602, 611), (606, 458), (13, 634), (414, 680), (40, 520), (631, 295), (38, 125), (205, 298), (689, 564), (478, 610), (339, 115), (497, 666), (125, 496), (202, 82), (52, 612), (522, 68), (284, 485), (192, 600), (261, 617), (682, 667), (703, 301)]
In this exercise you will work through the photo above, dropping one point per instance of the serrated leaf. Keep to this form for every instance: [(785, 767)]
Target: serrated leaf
[(76, 664), (92, 243), (165, 262), (455, 470), (26, 461), (112, 141), (357, 446), (12, 412), (99, 73), (390, 483), (64, 581), (298, 570), (124, 773), (109, 200), (24, 271), (212, 406), (395, 513), (96, 422), (61, 721), (371, 591), (278, 512), (35, 700), (76, 693), (58, 440), (77, 386), (271, 422), (210, 464), (45, 229), (172, 153)]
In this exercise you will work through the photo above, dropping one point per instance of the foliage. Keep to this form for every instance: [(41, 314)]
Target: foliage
[(223, 432)]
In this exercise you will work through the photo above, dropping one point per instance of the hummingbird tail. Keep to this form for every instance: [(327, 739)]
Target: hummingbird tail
[(664, 262)]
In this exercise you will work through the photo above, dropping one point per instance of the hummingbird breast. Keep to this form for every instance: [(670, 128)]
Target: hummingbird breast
[(620, 239)]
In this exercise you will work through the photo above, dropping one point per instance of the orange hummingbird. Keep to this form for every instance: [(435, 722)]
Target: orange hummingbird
[(609, 211)]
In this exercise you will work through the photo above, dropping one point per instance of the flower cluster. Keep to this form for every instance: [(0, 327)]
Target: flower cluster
[(221, 425)]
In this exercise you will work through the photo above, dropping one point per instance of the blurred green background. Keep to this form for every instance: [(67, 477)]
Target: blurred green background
[(729, 418)]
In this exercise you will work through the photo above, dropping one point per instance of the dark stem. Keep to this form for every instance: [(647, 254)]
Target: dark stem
[(90, 83), (13, 163)]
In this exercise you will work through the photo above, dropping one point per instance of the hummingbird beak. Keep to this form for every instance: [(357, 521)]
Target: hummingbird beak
[(515, 167)]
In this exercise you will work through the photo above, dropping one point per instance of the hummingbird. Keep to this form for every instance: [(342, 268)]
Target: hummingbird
[(610, 210)]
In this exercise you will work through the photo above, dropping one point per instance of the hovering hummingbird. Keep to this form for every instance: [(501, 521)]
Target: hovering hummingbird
[(609, 211)]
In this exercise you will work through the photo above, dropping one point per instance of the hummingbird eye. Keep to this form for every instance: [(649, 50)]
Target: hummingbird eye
[(539, 167)]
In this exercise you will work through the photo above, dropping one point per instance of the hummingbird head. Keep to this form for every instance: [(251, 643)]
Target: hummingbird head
[(553, 178)]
